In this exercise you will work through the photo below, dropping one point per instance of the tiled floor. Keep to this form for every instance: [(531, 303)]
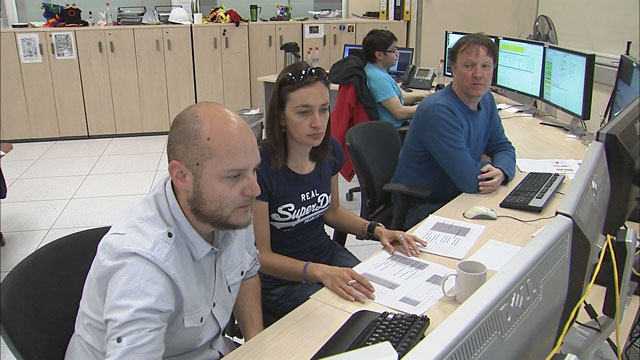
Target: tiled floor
[(61, 187)]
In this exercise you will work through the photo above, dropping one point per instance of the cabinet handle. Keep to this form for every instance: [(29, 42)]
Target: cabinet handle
[(169, 44), (215, 42), (40, 46), (280, 40), (100, 47), (269, 40), (157, 45), (226, 43), (52, 51), (335, 39), (111, 45), (324, 40)]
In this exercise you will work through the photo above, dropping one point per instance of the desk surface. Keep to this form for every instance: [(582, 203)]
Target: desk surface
[(325, 312)]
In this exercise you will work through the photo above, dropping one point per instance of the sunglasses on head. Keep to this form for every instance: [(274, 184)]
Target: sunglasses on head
[(297, 76)]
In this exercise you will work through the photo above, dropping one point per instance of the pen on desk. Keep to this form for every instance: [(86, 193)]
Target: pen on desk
[(551, 124)]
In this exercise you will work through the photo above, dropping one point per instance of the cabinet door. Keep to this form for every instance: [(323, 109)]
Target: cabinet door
[(14, 118), (235, 62), (67, 86), (179, 68), (287, 32), (262, 57), (322, 43), (152, 79), (123, 74), (96, 85), (207, 58), (38, 88), (339, 36)]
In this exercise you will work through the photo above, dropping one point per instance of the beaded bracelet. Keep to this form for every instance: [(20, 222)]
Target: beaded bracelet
[(304, 272)]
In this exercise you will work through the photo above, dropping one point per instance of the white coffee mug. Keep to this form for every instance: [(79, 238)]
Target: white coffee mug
[(470, 276)]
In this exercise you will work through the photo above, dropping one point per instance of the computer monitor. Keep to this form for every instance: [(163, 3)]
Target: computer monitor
[(516, 313), (586, 204), (622, 148), (627, 85), (568, 80), (450, 39), (532, 296), (352, 49), (519, 66), (405, 58)]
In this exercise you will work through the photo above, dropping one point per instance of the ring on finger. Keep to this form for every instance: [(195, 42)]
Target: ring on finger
[(400, 237), (351, 282)]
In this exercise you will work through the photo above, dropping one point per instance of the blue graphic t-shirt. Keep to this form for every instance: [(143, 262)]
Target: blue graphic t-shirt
[(297, 204)]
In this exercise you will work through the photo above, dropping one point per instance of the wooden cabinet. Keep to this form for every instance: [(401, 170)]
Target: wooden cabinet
[(96, 83), (14, 118), (38, 90), (152, 81), (123, 75), (67, 87), (331, 45), (398, 28), (221, 59), (165, 74), (179, 68), (265, 56)]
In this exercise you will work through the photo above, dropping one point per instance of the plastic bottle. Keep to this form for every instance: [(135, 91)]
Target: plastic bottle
[(310, 56), (90, 20), (316, 57), (440, 83), (108, 15)]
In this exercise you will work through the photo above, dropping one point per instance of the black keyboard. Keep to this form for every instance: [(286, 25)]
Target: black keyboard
[(366, 327), (533, 192)]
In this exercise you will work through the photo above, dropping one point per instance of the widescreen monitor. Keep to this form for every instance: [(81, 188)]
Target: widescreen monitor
[(568, 81), (622, 148), (586, 204), (521, 302), (405, 58), (450, 39), (627, 85), (352, 49), (519, 66)]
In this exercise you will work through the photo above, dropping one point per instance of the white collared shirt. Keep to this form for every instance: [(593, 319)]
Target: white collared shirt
[(157, 289)]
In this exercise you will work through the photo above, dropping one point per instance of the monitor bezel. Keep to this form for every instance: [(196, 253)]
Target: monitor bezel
[(587, 90), (495, 73), (349, 46)]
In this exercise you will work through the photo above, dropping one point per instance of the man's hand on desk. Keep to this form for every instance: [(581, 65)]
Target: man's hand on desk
[(408, 242), (414, 98), (490, 179), (343, 281)]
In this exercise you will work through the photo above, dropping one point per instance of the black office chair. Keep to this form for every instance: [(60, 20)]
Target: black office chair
[(40, 297), (374, 148)]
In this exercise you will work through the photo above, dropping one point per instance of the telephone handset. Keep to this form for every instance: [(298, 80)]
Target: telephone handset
[(418, 77)]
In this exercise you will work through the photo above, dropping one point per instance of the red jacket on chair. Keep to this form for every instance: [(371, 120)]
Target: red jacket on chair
[(347, 113)]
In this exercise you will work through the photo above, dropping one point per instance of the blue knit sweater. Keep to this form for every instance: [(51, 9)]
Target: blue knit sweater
[(445, 141)]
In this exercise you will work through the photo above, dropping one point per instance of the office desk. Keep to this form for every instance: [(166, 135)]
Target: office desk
[(325, 312)]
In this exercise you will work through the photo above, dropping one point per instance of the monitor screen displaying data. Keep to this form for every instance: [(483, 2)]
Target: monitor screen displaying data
[(405, 57), (568, 81), (450, 39), (520, 66), (351, 49)]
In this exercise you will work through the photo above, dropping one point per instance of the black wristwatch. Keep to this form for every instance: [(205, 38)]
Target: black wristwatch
[(372, 228)]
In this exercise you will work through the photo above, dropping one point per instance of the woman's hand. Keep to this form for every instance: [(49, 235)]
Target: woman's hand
[(408, 242), (344, 281)]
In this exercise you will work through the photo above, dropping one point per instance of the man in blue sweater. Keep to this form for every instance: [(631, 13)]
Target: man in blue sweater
[(456, 142)]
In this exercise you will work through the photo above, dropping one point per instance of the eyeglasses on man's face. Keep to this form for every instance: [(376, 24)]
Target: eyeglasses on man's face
[(392, 50), (297, 76)]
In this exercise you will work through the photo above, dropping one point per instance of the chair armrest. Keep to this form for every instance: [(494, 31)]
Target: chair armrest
[(406, 189)]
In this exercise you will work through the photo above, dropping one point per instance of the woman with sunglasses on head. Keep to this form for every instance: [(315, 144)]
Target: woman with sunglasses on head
[(298, 177)]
